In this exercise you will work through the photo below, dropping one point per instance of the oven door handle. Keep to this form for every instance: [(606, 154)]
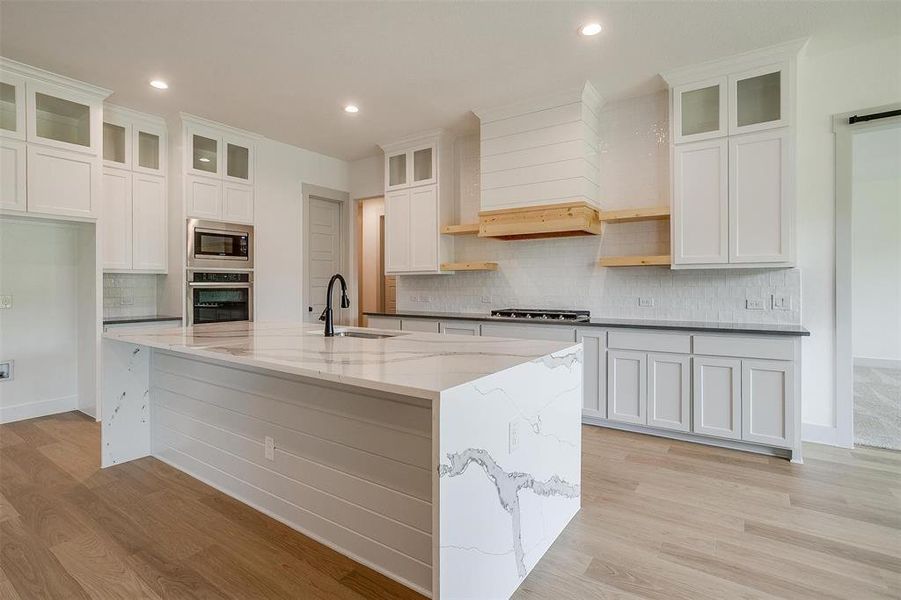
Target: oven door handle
[(219, 284)]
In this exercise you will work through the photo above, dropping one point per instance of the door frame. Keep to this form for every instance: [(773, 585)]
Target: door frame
[(308, 191), (844, 243)]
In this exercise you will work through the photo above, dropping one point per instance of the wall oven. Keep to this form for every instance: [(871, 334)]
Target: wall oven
[(216, 297), (214, 245)]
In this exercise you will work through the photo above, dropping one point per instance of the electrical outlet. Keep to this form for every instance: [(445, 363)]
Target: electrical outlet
[(6, 301), (781, 302), (513, 436), (486, 299), (270, 448), (646, 302), (425, 299), (126, 301), (6, 370), (753, 304)]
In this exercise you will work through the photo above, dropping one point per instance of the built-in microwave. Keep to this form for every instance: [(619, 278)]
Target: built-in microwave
[(215, 245)]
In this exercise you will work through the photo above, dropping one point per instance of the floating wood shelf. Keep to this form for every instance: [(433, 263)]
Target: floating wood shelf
[(635, 261), (467, 229), (630, 215), (469, 266)]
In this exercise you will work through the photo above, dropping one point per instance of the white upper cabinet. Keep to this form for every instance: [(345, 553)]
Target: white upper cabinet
[(12, 175), (397, 231), (238, 154), (237, 203), (63, 183), (396, 171), (12, 106), (700, 215), (411, 167), (423, 238), (699, 110), (204, 151), (423, 166), (149, 148), (59, 117), (758, 99), (150, 238), (116, 222), (116, 141)]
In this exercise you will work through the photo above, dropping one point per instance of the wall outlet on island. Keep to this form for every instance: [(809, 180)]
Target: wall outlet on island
[(270, 448), (753, 304), (513, 437), (646, 302)]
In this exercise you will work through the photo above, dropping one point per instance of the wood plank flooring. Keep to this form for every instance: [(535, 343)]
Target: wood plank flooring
[(660, 519)]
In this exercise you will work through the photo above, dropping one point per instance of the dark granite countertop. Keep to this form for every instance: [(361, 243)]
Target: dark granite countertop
[(141, 319), (761, 328)]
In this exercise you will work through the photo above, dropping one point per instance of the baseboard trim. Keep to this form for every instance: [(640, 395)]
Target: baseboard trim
[(820, 434), (879, 363), (30, 410)]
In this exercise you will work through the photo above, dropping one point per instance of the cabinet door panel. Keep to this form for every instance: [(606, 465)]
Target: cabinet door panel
[(383, 323), (424, 229), (397, 231), (767, 388), (423, 325), (699, 111), (116, 220), (701, 203), (459, 328), (238, 154), (116, 142), (204, 198), (204, 154), (150, 245), (669, 392), (63, 183), (759, 214), (594, 369), (237, 203), (627, 386), (397, 167), (758, 99), (12, 106), (716, 397), (149, 149), (529, 332), (12, 174), (423, 165), (62, 118)]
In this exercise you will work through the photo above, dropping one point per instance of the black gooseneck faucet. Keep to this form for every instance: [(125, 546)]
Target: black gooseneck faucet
[(327, 313)]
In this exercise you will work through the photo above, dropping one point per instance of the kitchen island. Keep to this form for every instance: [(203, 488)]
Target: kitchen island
[(450, 464)]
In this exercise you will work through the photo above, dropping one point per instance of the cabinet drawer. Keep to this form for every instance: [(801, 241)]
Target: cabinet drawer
[(423, 325), (460, 328), (750, 347), (652, 342), (530, 332), (383, 323)]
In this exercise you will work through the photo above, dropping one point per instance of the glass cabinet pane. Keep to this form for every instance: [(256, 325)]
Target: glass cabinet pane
[(758, 99), (238, 161), (8, 107), (148, 150), (205, 154), (62, 120), (422, 164), (701, 110), (397, 169), (114, 143)]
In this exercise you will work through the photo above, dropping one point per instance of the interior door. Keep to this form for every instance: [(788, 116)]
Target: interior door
[(324, 253)]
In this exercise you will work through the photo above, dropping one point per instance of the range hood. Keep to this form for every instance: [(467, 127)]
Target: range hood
[(539, 167)]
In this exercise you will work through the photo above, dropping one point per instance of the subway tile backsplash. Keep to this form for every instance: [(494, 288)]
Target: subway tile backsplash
[(129, 294)]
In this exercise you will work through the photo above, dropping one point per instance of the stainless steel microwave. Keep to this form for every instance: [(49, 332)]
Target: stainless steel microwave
[(215, 245)]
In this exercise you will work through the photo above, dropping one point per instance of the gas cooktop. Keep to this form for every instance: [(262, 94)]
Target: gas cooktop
[(542, 314)]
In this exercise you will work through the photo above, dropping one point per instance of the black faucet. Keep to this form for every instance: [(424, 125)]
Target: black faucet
[(327, 313)]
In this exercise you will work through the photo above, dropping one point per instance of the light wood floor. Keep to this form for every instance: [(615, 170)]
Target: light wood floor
[(660, 519)]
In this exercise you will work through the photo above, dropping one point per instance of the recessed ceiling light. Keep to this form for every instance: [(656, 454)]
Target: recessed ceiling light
[(351, 108), (590, 29), (203, 159), (159, 84)]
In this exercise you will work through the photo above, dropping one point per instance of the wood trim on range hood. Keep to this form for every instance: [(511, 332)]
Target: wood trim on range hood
[(545, 221)]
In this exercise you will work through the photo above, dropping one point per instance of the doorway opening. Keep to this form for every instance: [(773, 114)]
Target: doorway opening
[(868, 280), (377, 292), (325, 248)]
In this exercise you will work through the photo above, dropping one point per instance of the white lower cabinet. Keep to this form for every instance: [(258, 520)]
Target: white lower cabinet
[(63, 182), (594, 371), (392, 323), (627, 393), (716, 397), (459, 328), (669, 391), (204, 197), (12, 175), (421, 325), (529, 332), (766, 389)]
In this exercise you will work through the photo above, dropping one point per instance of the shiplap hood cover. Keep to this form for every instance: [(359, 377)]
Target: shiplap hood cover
[(539, 166)]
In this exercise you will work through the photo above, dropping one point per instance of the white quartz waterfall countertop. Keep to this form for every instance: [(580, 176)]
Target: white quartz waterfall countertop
[(415, 364)]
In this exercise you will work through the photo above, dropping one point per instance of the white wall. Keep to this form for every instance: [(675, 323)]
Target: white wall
[(281, 170), (41, 267), (833, 78), (367, 177), (876, 259)]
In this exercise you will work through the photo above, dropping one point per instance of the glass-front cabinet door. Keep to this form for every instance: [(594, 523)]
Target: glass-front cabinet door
[(700, 110), (204, 151), (149, 149), (116, 148), (12, 106), (424, 171), (238, 159), (61, 118), (396, 170), (758, 99)]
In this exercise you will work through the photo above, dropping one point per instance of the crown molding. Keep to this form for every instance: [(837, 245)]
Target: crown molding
[(413, 139), (787, 51), (194, 119), (23, 70), (132, 115)]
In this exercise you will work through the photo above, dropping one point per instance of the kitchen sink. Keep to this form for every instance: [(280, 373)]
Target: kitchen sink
[(364, 334)]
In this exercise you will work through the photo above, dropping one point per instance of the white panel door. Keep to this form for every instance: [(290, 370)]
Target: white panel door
[(324, 256), (766, 394), (701, 203), (424, 229), (116, 220), (716, 397), (627, 386), (63, 183), (237, 203), (669, 391), (397, 231), (759, 213), (150, 238), (12, 174), (204, 199)]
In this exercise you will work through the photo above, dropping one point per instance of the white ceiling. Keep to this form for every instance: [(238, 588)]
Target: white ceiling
[(285, 69)]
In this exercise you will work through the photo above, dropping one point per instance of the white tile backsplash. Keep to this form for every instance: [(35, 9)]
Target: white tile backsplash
[(563, 273), (129, 294)]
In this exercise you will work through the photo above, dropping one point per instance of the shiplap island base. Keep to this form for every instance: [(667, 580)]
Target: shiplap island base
[(450, 464)]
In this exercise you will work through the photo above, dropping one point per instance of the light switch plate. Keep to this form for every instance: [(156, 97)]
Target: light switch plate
[(753, 304), (6, 370), (6, 301)]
